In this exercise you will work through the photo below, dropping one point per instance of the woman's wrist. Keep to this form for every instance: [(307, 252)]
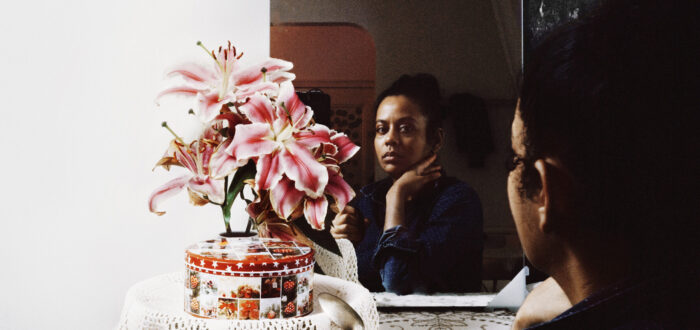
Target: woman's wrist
[(395, 201), (395, 195)]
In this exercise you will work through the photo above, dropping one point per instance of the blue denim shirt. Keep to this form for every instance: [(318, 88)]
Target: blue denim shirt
[(437, 249)]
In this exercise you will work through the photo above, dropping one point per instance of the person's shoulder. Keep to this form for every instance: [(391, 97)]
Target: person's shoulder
[(455, 189), (453, 200), (656, 302)]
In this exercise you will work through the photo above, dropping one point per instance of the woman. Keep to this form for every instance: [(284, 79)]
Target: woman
[(417, 230)]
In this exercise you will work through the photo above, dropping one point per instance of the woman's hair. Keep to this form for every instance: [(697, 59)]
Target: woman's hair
[(423, 90)]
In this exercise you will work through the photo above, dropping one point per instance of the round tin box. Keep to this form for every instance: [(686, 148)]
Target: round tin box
[(248, 278)]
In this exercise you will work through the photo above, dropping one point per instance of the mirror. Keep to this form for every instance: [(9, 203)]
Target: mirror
[(470, 47)]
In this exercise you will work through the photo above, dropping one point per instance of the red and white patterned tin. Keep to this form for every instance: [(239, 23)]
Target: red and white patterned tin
[(249, 278)]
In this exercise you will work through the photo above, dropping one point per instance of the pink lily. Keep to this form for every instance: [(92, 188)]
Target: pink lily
[(285, 199), (337, 149), (201, 187), (228, 82), (270, 137)]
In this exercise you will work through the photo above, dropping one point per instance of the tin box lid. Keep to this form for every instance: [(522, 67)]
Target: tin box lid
[(249, 254)]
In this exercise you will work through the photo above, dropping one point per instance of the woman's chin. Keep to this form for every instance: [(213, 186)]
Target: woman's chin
[(393, 170)]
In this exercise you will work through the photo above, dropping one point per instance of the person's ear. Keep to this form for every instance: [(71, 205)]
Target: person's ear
[(553, 198), (440, 139), (543, 198)]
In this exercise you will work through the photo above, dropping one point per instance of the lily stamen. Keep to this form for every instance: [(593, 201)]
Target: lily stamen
[(264, 74), (289, 116), (200, 44), (165, 124)]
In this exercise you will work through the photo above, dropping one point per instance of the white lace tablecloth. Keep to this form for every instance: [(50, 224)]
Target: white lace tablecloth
[(445, 319), (157, 303)]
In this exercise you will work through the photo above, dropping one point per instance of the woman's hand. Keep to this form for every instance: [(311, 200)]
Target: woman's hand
[(406, 186), (413, 180), (544, 303), (347, 224)]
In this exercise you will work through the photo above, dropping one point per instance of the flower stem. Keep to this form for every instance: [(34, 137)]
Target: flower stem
[(250, 224), (227, 215)]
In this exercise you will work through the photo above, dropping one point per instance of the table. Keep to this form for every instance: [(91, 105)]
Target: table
[(444, 319), (157, 303)]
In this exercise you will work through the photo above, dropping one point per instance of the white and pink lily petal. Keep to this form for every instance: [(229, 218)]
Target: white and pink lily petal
[(315, 212), (315, 209), (166, 191), (284, 198), (222, 164), (340, 190), (208, 87), (276, 71), (206, 187), (290, 107), (346, 148)]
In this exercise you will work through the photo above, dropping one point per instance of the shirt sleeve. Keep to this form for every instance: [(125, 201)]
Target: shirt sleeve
[(444, 256)]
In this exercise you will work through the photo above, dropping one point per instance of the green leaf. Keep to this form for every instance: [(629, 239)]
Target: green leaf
[(320, 237), (243, 173)]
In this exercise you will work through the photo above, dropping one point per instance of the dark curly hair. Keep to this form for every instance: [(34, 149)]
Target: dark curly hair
[(422, 89)]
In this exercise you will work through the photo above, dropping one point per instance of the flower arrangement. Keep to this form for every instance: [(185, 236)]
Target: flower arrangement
[(257, 133)]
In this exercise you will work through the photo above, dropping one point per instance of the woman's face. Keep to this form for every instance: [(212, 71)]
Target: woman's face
[(400, 135)]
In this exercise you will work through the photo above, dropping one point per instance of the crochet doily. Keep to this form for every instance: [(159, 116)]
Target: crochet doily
[(344, 267), (157, 303)]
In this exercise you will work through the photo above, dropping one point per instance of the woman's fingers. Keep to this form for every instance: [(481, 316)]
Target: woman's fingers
[(346, 227), (349, 210), (430, 177), (434, 176), (344, 218), (420, 167), (431, 169), (352, 232)]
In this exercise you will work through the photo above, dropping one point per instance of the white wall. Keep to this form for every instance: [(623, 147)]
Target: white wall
[(80, 133)]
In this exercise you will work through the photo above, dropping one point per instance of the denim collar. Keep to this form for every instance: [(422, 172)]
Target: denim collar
[(376, 191)]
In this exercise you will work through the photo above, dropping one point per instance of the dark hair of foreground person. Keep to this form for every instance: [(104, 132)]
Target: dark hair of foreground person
[(604, 186)]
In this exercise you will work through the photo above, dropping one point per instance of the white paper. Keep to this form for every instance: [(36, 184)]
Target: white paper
[(513, 295)]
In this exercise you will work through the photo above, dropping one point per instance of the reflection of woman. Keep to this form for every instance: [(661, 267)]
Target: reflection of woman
[(417, 230)]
